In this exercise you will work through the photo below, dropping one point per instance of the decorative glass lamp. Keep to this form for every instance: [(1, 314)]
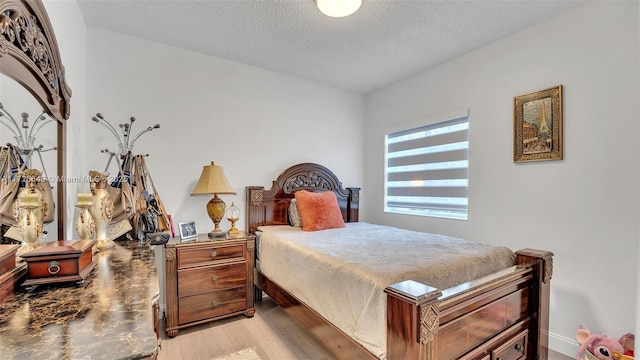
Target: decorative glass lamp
[(233, 214), (213, 182)]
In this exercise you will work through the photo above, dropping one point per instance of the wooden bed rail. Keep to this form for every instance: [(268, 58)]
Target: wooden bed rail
[(475, 319)]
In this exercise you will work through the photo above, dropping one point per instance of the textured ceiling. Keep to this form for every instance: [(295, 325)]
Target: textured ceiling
[(385, 41)]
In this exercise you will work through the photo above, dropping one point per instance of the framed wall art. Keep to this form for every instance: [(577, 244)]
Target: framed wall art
[(537, 122)]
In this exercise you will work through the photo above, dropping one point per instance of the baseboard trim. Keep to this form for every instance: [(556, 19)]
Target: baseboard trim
[(563, 345)]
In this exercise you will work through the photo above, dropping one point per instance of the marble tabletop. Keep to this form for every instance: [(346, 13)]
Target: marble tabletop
[(109, 316)]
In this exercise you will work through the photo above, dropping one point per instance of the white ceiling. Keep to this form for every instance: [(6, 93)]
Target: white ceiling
[(385, 41)]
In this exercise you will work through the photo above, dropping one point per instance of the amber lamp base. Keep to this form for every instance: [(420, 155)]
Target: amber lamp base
[(216, 209)]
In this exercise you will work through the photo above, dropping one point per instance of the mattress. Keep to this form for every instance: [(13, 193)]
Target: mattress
[(341, 273)]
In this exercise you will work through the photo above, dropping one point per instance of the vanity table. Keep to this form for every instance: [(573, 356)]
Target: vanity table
[(109, 316)]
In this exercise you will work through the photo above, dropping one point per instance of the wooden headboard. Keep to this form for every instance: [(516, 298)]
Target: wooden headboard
[(270, 207)]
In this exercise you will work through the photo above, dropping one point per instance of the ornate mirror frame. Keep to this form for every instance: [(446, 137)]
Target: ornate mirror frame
[(29, 54)]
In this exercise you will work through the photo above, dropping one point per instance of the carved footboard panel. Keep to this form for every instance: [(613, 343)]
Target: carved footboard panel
[(505, 315)]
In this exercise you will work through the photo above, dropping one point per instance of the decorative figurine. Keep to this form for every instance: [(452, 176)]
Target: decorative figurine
[(233, 214), (102, 208), (29, 211), (85, 226)]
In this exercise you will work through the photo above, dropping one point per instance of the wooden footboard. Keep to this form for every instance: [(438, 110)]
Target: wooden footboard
[(502, 316)]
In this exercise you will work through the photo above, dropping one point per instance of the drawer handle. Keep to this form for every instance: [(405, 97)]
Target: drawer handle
[(54, 267), (519, 347), (214, 254), (214, 303), (214, 278)]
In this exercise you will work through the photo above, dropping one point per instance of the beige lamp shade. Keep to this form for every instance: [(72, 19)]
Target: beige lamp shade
[(212, 181)]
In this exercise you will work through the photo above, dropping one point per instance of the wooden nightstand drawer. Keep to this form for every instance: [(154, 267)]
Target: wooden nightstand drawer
[(514, 349), (201, 255), (201, 280), (198, 307), (208, 280)]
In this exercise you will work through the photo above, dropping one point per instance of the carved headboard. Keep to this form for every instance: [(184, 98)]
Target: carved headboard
[(270, 207)]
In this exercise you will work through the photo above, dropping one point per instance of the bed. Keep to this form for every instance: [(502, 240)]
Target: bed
[(387, 308)]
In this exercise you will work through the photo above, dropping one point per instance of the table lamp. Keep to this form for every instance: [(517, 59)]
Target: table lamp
[(213, 181)]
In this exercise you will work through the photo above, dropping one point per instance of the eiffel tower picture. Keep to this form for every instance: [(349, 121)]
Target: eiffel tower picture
[(538, 125)]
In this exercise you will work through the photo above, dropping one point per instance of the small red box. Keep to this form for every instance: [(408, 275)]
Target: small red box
[(62, 261)]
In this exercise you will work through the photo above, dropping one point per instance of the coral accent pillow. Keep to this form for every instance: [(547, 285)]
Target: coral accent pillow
[(319, 210)]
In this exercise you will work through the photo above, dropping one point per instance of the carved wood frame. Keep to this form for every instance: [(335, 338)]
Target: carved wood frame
[(270, 207), (29, 54)]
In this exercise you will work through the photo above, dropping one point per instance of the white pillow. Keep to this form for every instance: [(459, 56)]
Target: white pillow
[(294, 214)]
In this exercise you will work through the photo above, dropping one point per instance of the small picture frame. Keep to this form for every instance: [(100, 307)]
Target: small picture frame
[(188, 230), (537, 123)]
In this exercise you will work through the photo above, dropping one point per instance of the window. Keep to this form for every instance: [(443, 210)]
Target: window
[(426, 169)]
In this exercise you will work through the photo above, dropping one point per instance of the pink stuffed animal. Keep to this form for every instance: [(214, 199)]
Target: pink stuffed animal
[(601, 346)]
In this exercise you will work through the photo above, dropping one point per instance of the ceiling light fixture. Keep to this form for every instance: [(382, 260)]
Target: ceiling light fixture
[(338, 8)]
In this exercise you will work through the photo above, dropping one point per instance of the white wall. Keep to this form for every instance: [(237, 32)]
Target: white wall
[(583, 208), (253, 122)]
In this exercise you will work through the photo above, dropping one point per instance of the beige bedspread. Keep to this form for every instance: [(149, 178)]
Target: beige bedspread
[(341, 273)]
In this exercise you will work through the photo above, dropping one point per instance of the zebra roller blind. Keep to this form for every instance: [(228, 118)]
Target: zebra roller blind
[(426, 170)]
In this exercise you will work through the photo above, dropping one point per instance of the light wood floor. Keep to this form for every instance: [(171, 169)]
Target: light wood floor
[(273, 334)]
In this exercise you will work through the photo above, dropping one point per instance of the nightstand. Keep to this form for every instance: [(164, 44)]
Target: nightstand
[(208, 279)]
